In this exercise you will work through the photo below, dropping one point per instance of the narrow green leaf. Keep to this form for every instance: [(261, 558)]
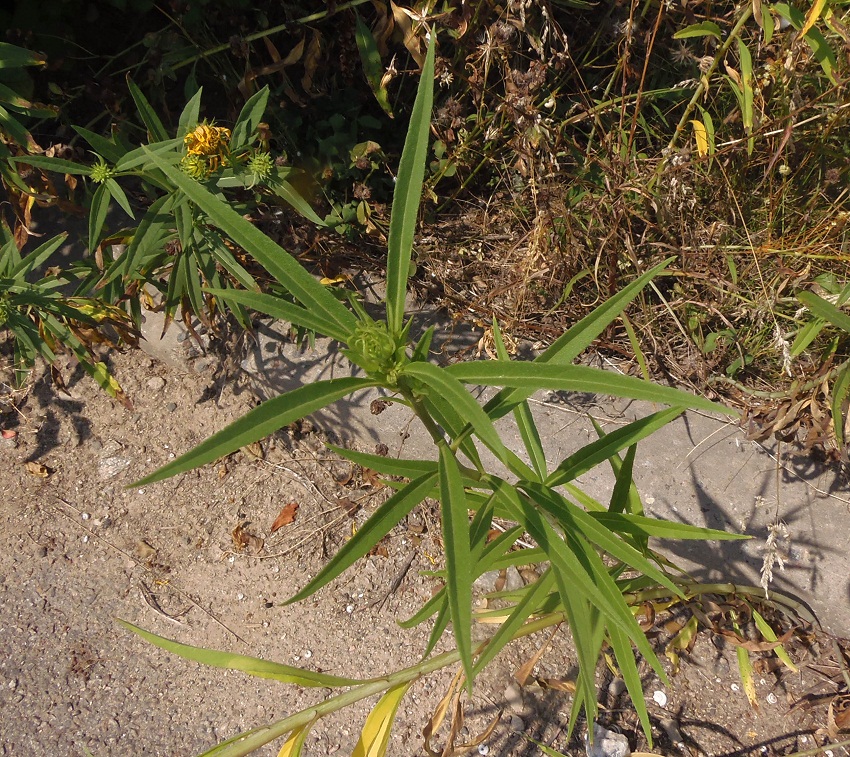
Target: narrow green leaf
[(445, 415), (156, 131), (250, 665), (577, 378), (133, 159), (224, 257), (455, 519), (622, 496), (640, 525), (189, 116), (602, 449), (626, 662), (288, 272), (97, 215), (840, 390), (371, 59), (770, 635), (119, 196), (52, 164), (824, 309), (577, 338), (407, 195), (287, 192), (37, 257), (249, 119), (534, 594), (703, 29), (388, 466), (15, 128), (450, 390), (104, 147), (277, 308), (257, 424), (371, 532), (12, 56)]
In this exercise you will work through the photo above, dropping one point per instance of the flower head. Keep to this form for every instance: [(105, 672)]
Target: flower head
[(101, 171)]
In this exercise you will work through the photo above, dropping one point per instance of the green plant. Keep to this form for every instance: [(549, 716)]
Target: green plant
[(596, 553), (174, 247), (43, 321)]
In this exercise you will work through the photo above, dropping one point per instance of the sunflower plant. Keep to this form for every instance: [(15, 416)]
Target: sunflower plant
[(596, 553), (172, 245)]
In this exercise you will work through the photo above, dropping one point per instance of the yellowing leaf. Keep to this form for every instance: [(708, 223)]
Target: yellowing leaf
[(745, 670), (701, 137), (814, 14), (682, 641), (294, 744), (376, 730)]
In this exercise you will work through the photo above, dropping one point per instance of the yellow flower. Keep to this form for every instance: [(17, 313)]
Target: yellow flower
[(207, 139)]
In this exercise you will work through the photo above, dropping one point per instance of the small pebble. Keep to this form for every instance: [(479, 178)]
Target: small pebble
[(660, 698), (483, 749), (171, 407), (155, 384), (517, 723), (85, 516), (307, 654), (771, 698)]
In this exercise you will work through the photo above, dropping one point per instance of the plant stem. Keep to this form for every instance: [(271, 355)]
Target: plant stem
[(704, 81), (257, 738)]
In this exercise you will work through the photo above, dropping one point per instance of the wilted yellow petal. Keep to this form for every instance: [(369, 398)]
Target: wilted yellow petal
[(376, 730), (701, 137)]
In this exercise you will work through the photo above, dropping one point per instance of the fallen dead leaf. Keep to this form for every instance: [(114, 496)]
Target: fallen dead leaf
[(285, 516), (37, 469), (243, 540)]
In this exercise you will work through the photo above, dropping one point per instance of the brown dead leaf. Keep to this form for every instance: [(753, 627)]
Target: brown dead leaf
[(37, 469), (244, 541), (285, 516), (349, 505)]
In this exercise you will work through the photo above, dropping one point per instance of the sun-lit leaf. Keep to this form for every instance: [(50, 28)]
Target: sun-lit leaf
[(257, 424), (295, 742), (250, 665), (375, 735), (703, 29), (407, 195)]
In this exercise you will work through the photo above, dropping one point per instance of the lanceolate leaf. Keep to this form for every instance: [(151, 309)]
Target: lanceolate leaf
[(532, 376), (378, 526), (376, 730), (288, 271), (407, 195), (250, 665), (577, 339), (269, 417), (455, 520)]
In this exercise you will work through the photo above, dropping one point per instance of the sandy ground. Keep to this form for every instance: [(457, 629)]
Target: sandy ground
[(80, 549)]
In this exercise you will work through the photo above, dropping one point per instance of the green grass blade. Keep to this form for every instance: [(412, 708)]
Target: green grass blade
[(840, 390), (602, 449), (269, 417), (371, 532), (286, 269), (250, 665), (407, 195), (455, 520), (624, 487), (287, 192), (531, 376)]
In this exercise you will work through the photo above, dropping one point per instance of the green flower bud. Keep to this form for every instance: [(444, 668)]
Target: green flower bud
[(260, 165), (100, 171), (195, 166)]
